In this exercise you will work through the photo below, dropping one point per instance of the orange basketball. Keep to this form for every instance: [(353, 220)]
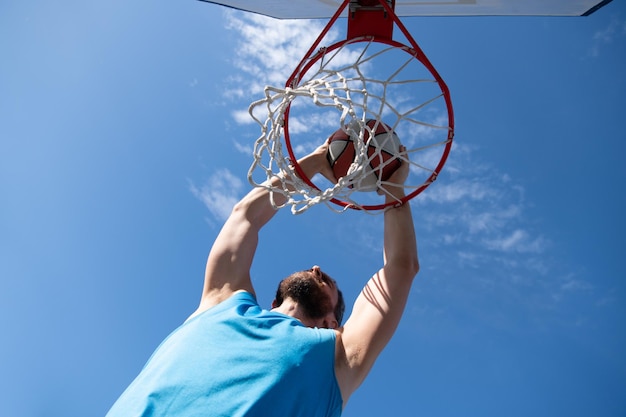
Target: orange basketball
[(382, 150)]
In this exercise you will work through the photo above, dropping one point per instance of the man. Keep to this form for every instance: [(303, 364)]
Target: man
[(231, 358)]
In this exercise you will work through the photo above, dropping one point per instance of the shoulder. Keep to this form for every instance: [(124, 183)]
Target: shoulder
[(224, 299)]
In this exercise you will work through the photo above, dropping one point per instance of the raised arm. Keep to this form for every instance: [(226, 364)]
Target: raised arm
[(230, 258), (379, 307)]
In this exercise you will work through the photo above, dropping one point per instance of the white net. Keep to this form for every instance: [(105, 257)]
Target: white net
[(342, 87)]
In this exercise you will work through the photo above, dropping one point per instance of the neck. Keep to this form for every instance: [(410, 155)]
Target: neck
[(291, 308)]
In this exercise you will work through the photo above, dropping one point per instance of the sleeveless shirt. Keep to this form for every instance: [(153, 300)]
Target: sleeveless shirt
[(237, 360)]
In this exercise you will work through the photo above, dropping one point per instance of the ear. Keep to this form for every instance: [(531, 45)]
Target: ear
[(330, 322)]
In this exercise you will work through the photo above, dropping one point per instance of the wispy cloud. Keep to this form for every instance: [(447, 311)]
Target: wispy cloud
[(219, 193), (517, 241), (242, 117), (268, 49), (607, 35), (267, 52), (483, 237), (473, 203)]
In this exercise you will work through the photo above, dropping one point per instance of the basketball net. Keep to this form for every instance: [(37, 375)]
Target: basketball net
[(344, 89)]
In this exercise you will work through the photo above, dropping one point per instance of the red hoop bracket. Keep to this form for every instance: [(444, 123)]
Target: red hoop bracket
[(370, 18)]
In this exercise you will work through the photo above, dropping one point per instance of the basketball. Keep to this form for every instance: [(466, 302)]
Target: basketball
[(381, 152)]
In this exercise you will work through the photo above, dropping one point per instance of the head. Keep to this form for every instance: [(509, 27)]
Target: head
[(318, 299)]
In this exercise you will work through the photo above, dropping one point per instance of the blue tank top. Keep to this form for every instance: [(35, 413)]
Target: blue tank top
[(237, 360)]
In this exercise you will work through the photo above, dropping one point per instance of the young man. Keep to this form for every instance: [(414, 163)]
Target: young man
[(232, 358)]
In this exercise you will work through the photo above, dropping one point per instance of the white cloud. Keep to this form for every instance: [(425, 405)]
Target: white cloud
[(476, 218), (244, 148), (267, 52), (459, 190), (269, 49), (576, 285), (607, 35), (220, 193), (516, 241), (242, 117)]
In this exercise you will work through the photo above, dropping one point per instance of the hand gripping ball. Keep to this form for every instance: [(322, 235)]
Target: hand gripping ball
[(382, 154)]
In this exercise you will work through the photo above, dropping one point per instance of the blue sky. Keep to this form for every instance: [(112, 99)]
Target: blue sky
[(124, 142)]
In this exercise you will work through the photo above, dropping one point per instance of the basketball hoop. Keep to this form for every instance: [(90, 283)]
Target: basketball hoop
[(343, 86)]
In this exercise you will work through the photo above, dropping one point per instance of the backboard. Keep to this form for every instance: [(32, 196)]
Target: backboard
[(314, 9)]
